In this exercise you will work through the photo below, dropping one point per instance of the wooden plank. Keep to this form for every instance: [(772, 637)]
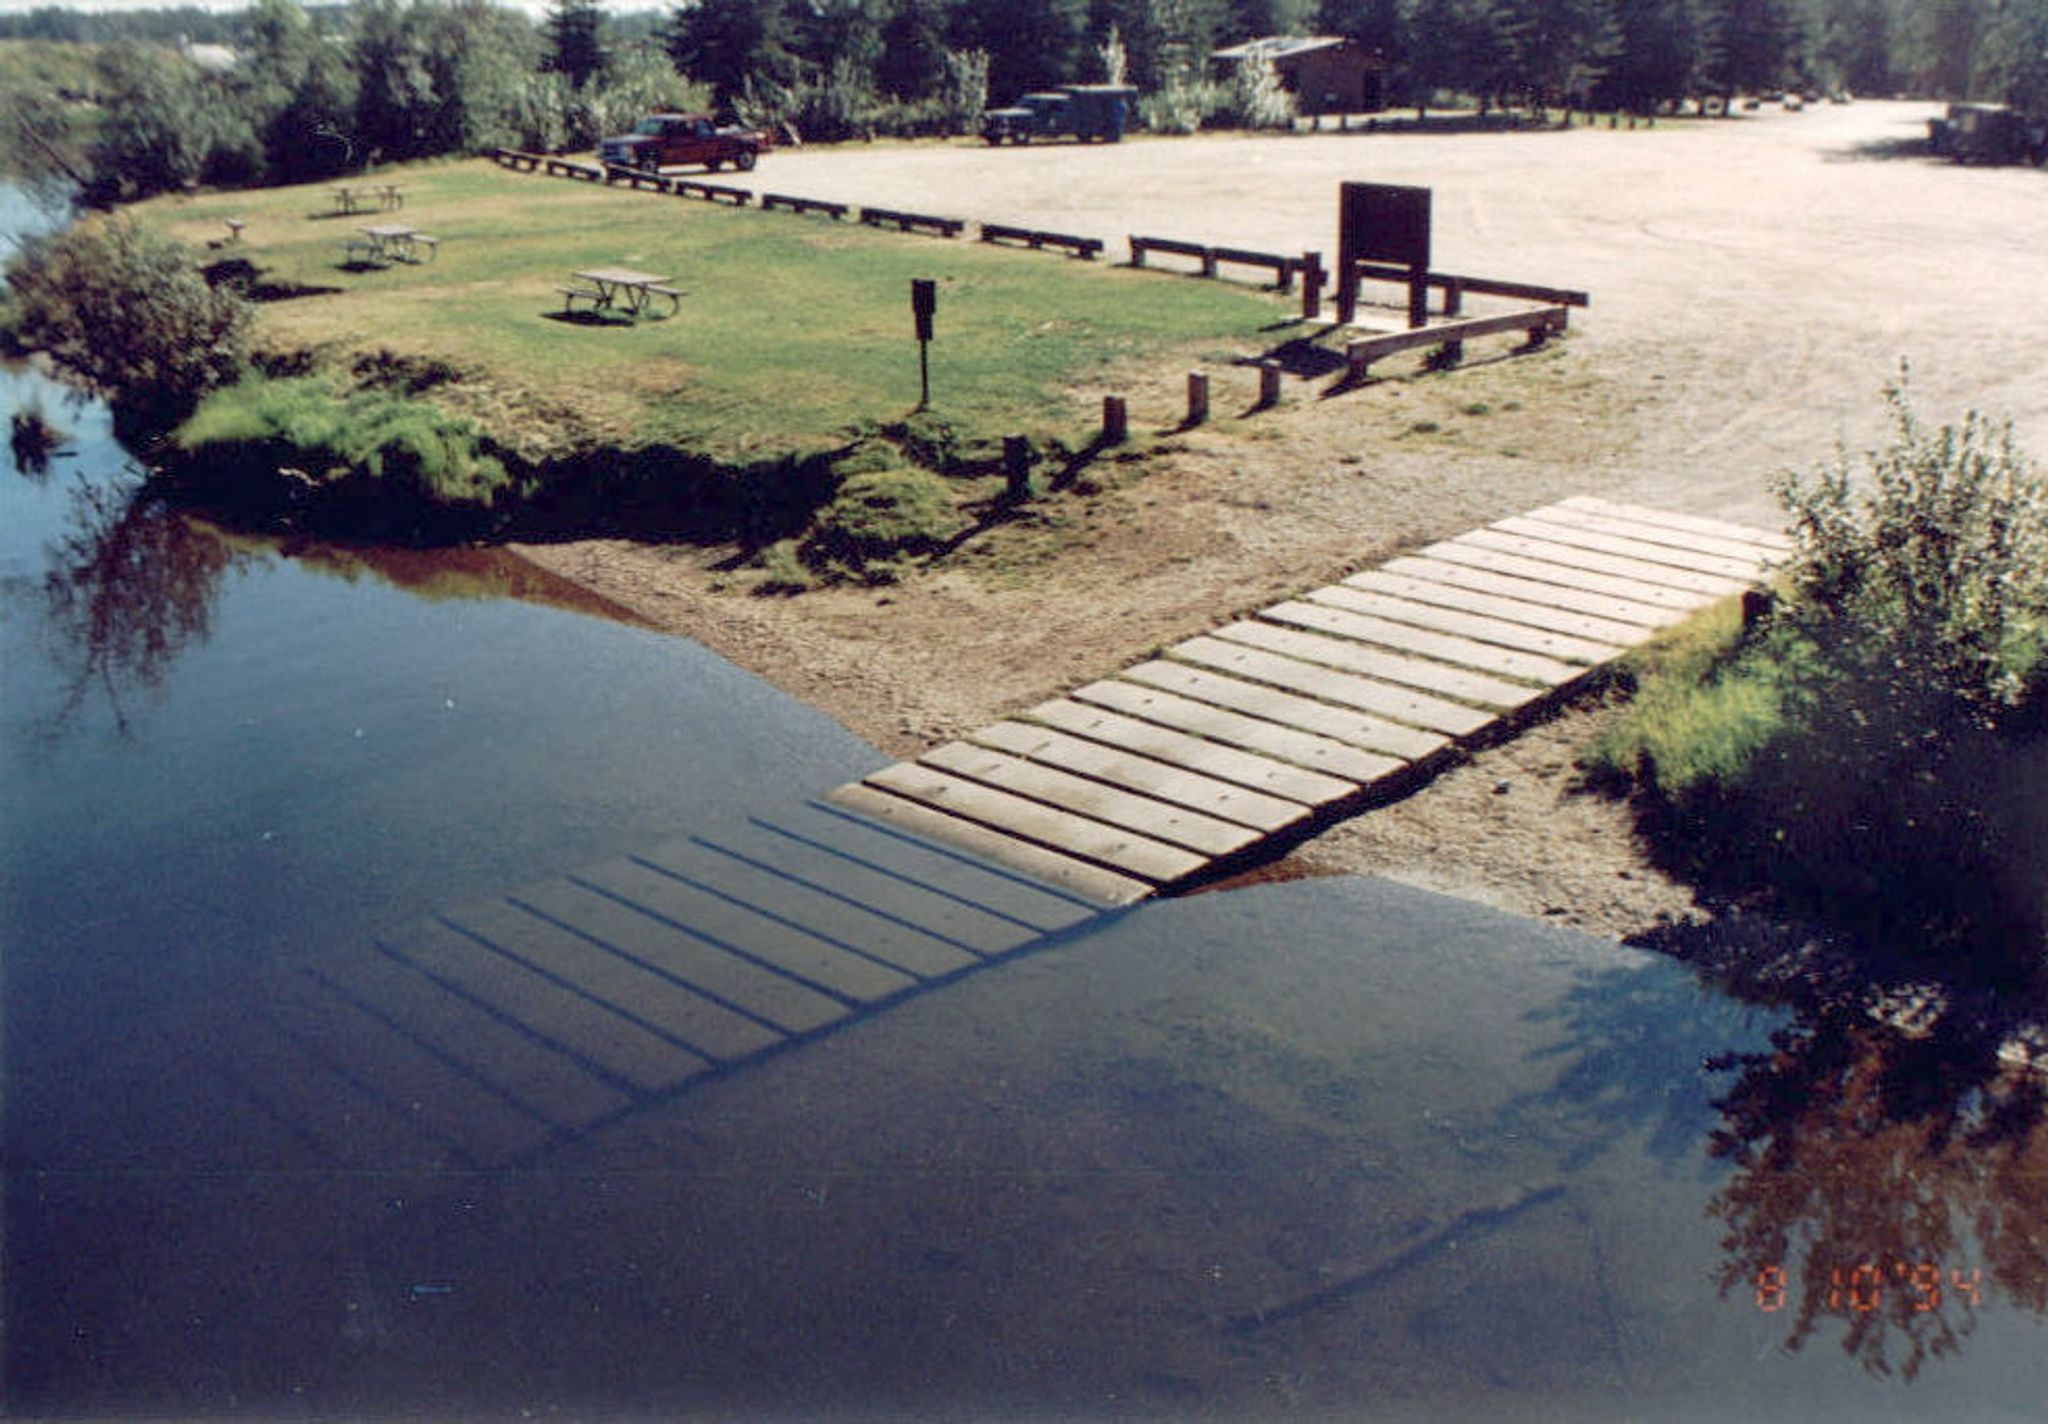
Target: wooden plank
[(1581, 535), (1300, 714), (1548, 617), (1753, 556), (852, 875), (718, 1003), (443, 1102), (1556, 551), (1771, 541), (1380, 665), (1121, 850), (913, 818), (1639, 619), (890, 847), (1364, 627), (1195, 752), (343, 1116), (1383, 699), (1141, 774), (838, 921), (1151, 701), (1157, 820), (1445, 617), (1541, 571), (492, 952), (744, 931), (550, 1082)]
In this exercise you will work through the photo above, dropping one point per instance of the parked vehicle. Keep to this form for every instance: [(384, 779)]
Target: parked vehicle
[(1989, 133), (1084, 111), (669, 140)]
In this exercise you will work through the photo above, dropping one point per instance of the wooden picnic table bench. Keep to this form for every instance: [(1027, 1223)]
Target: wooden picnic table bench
[(390, 242), (619, 289)]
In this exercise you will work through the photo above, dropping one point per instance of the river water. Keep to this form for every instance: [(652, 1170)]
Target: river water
[(1331, 1147)]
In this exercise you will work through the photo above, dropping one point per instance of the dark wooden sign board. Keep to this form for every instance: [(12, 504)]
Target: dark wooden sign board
[(1383, 222)]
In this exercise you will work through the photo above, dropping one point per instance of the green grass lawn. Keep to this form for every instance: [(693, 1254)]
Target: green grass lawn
[(792, 329)]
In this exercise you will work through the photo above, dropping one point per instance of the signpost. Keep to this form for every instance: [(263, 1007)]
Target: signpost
[(924, 304), (1383, 222)]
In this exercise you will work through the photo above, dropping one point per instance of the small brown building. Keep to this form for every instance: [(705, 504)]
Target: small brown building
[(1327, 74)]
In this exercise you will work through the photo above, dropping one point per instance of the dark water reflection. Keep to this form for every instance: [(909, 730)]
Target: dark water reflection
[(1893, 1184)]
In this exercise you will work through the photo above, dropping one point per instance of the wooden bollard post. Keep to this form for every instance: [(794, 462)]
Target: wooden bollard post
[(1116, 420), (1017, 467), (1198, 397), (1269, 386), (1311, 286), (1454, 296)]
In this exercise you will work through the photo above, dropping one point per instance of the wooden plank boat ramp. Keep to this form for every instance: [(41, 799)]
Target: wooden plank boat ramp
[(1217, 751), (496, 1030)]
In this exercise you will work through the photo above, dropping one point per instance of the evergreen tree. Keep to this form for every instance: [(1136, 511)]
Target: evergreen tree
[(913, 62), (575, 30), (738, 47), (1564, 46), (1657, 58), (2014, 69), (1752, 45), (1031, 44)]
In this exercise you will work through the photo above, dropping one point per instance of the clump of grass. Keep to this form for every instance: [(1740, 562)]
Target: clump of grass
[(1701, 710), (881, 522), (405, 448)]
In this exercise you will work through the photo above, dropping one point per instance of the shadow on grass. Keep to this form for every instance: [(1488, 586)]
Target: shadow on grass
[(253, 284), (583, 317)]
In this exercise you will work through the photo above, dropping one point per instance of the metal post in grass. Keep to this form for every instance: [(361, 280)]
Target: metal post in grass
[(1198, 397), (1017, 467), (924, 304), (1116, 420)]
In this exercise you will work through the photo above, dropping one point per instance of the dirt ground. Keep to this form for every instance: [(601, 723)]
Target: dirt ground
[(1755, 283)]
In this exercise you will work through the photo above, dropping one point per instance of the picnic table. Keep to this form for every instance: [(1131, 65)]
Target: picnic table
[(359, 197), (619, 288), (392, 242)]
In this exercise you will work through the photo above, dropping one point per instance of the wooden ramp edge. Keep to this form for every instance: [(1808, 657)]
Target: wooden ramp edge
[(1227, 744)]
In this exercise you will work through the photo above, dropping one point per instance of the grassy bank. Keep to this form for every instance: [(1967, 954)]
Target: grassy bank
[(792, 331)]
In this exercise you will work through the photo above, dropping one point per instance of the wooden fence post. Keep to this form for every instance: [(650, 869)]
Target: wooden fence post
[(1198, 397), (1454, 296), (1269, 386), (1311, 286), (1017, 467), (1116, 420)]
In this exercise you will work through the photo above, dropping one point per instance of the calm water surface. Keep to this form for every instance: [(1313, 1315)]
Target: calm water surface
[(1328, 1147)]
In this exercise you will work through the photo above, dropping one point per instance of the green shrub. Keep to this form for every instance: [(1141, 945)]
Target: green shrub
[(1853, 752), (126, 309), (1935, 576), (880, 522)]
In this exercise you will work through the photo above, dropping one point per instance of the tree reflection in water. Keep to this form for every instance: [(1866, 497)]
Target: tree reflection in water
[(131, 584), (1891, 1179)]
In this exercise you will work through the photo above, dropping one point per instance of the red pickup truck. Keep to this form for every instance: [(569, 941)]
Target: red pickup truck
[(671, 140)]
